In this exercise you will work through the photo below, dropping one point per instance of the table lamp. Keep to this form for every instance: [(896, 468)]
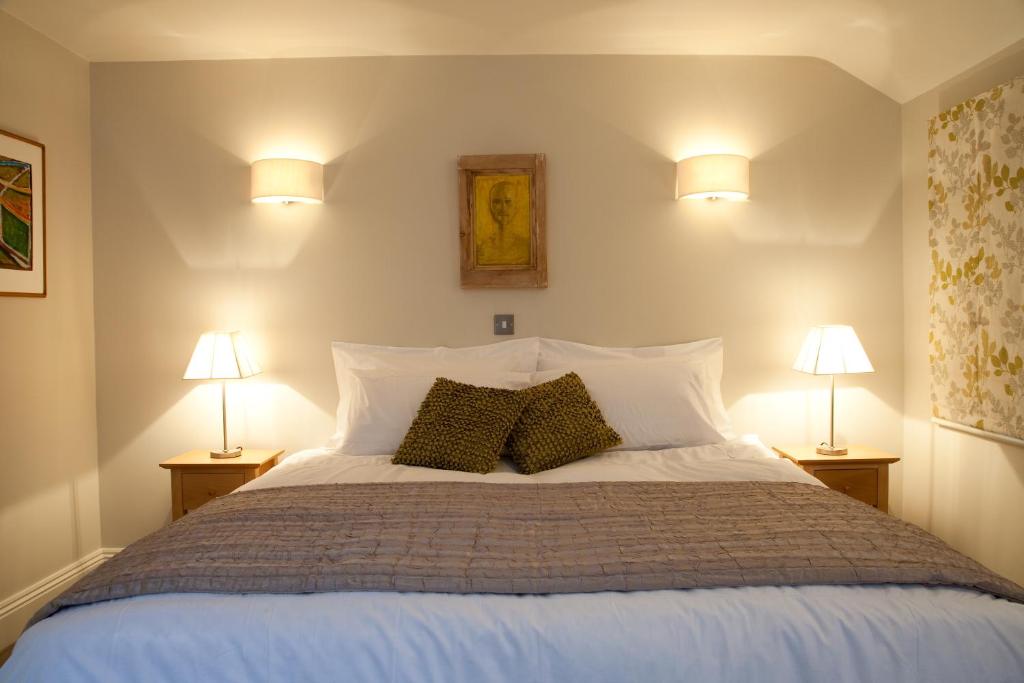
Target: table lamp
[(223, 356), (832, 350)]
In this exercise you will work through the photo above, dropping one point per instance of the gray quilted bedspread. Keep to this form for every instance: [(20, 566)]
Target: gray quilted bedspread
[(529, 538)]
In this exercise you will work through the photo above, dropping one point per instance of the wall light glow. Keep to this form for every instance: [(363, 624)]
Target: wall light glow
[(283, 181), (713, 176)]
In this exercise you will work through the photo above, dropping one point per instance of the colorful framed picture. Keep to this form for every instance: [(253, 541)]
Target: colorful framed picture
[(502, 220), (22, 216)]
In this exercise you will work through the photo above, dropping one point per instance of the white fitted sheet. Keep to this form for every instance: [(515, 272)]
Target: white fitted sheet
[(804, 633), (743, 459)]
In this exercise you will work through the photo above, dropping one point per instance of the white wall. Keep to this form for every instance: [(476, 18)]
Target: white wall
[(49, 516), (179, 248), (965, 489)]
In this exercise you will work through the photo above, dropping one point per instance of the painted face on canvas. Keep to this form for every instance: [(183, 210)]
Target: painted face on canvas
[(503, 203), (502, 220)]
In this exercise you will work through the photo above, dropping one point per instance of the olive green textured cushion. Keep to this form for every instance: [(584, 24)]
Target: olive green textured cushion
[(560, 424), (460, 427)]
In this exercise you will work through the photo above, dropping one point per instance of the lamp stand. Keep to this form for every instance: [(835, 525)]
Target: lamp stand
[(225, 453), (830, 447)]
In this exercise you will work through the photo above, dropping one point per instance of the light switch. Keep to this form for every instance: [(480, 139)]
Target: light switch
[(504, 323)]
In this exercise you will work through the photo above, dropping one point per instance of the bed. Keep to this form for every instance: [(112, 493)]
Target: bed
[(766, 633), (660, 561)]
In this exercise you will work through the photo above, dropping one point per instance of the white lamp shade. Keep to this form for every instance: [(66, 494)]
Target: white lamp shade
[(287, 180), (713, 176), (222, 355), (832, 350)]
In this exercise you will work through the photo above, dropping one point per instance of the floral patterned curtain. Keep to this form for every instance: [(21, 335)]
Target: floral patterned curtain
[(976, 207)]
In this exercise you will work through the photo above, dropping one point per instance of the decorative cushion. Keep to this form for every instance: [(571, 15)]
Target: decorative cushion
[(559, 424), (460, 427)]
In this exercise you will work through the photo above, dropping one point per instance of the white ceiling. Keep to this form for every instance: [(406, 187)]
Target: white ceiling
[(901, 47)]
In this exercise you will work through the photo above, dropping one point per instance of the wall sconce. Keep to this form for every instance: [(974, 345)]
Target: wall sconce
[(283, 181), (713, 176)]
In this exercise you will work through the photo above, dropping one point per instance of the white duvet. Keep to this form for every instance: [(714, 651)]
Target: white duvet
[(808, 633)]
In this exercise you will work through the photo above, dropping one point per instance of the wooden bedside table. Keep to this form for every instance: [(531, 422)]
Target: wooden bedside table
[(863, 473), (196, 478)]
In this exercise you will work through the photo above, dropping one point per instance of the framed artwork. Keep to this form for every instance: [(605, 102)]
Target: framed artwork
[(502, 220), (22, 216)]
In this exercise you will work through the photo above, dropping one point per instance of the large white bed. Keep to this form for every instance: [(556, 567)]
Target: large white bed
[(803, 633)]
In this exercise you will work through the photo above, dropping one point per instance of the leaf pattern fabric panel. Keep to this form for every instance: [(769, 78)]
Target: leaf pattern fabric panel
[(976, 210), (460, 427)]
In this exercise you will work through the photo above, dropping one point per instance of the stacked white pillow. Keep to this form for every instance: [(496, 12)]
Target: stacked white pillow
[(653, 396), (383, 404), (380, 388)]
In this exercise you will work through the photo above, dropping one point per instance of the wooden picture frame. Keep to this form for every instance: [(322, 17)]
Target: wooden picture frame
[(503, 220), (22, 216)]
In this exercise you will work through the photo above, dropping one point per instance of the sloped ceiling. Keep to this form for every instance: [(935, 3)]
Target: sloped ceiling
[(901, 47)]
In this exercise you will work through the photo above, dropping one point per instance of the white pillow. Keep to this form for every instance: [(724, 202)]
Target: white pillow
[(655, 403), (384, 403), (558, 353), (516, 355)]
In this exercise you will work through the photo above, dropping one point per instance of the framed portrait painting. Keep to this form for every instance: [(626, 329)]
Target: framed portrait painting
[(502, 220), (22, 216)]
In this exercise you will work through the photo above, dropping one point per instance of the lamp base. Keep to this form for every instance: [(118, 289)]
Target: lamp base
[(233, 453), (825, 449)]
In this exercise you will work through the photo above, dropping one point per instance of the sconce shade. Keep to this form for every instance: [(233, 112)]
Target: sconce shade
[(713, 176), (222, 355), (832, 350), (287, 180)]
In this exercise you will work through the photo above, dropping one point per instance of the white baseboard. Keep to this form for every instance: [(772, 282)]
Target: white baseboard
[(16, 610)]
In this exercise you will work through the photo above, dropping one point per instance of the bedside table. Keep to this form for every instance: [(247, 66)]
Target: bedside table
[(196, 478), (863, 473)]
